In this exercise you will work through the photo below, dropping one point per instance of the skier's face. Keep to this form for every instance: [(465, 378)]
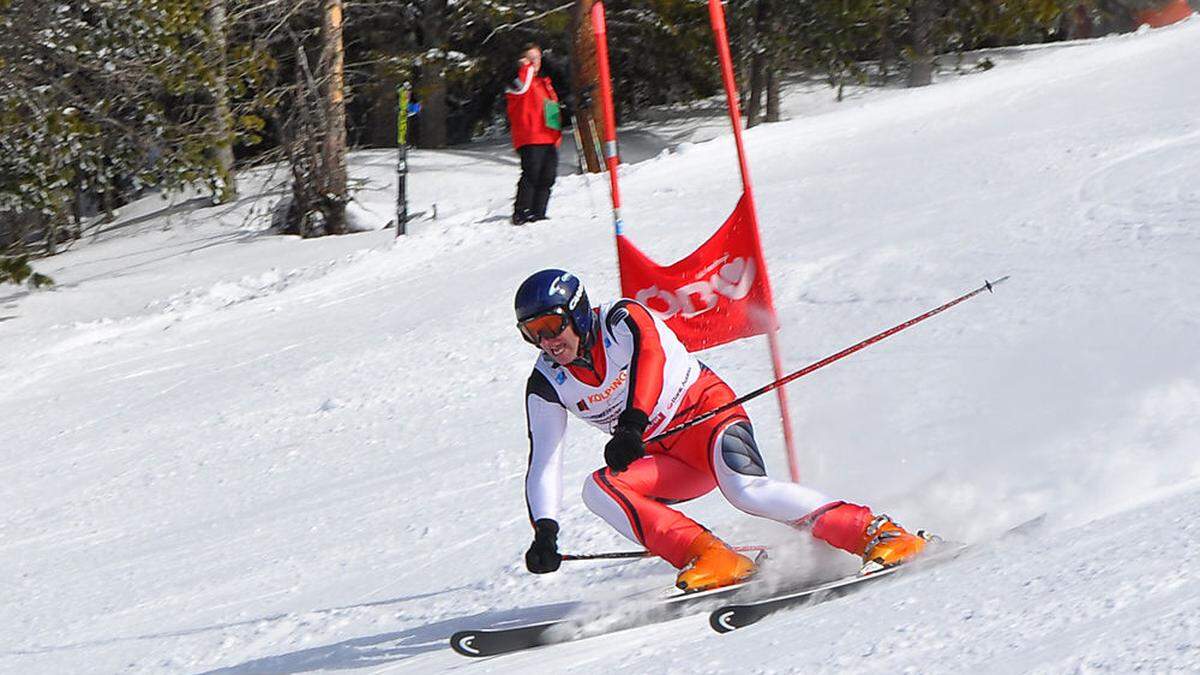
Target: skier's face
[(562, 348)]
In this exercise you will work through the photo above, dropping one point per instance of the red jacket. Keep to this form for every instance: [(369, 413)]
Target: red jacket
[(527, 98)]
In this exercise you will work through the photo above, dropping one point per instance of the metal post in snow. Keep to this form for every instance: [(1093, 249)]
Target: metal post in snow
[(403, 93), (717, 16), (611, 158)]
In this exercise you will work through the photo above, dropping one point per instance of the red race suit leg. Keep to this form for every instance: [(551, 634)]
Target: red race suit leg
[(719, 452), (635, 503), (676, 469)]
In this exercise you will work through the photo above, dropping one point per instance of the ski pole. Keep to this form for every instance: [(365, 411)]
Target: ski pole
[(596, 143), (987, 286), (580, 159), (618, 555), (613, 555)]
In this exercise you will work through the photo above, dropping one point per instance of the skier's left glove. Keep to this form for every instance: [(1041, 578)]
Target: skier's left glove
[(543, 555), (626, 445)]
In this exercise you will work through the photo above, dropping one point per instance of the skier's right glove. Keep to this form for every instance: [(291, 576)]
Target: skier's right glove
[(626, 444), (543, 555)]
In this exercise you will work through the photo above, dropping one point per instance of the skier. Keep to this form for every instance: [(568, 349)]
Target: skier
[(535, 120), (619, 368)]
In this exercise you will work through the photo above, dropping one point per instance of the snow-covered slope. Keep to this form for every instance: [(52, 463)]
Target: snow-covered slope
[(245, 453)]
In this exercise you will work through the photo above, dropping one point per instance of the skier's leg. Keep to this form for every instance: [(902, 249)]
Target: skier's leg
[(634, 503), (725, 446), (850, 527), (547, 172), (526, 185), (742, 477)]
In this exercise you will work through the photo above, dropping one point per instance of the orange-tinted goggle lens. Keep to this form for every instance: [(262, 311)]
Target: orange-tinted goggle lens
[(543, 327)]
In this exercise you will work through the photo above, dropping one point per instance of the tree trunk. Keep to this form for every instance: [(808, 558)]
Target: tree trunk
[(759, 61), (60, 215), (773, 93), (585, 79), (8, 229), (431, 87), (298, 143), (108, 203), (222, 117), (886, 49), (378, 127), (381, 119), (333, 150), (758, 80), (920, 69)]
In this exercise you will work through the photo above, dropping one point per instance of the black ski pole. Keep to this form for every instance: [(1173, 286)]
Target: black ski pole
[(987, 286), (618, 555), (614, 555)]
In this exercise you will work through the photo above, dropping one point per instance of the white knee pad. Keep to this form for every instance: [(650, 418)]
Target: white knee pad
[(600, 503), (741, 475)]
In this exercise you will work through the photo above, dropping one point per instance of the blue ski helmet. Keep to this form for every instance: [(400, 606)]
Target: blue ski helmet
[(550, 290)]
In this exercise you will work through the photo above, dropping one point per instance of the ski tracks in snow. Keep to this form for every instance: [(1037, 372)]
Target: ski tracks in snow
[(1148, 195)]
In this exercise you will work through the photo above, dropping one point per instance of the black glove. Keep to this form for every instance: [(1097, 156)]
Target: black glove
[(626, 444), (543, 555)]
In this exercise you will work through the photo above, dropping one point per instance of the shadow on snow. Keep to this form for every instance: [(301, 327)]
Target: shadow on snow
[(390, 647)]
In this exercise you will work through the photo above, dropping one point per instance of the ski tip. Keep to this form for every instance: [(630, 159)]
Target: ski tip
[(722, 620), (463, 643)]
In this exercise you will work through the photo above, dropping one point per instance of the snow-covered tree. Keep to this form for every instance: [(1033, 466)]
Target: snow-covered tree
[(99, 98)]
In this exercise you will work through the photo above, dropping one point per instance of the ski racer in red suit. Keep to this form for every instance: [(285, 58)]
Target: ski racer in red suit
[(619, 368)]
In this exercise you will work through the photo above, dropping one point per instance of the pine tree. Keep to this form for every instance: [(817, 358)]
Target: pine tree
[(16, 270), (99, 98)]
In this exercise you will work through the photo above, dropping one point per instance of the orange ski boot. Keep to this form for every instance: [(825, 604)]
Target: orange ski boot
[(713, 565), (886, 544)]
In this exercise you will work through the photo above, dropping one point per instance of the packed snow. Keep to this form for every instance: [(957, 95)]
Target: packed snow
[(230, 451)]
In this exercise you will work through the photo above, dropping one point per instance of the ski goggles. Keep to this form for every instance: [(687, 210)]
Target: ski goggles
[(543, 326)]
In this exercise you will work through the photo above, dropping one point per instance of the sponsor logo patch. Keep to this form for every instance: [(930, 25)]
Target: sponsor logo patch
[(612, 387)]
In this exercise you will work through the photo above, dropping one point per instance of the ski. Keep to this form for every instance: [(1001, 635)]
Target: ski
[(595, 620), (733, 616), (494, 641)]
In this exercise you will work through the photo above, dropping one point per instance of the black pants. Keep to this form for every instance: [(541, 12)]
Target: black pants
[(539, 166)]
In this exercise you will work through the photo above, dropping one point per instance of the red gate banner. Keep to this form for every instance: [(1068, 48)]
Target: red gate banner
[(717, 294)]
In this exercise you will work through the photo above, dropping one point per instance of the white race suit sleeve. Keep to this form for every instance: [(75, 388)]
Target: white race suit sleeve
[(547, 420)]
